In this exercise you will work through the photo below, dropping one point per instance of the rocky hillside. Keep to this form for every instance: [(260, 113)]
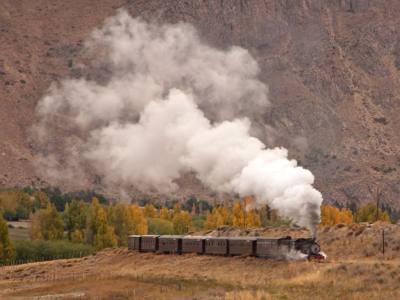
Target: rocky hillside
[(332, 68)]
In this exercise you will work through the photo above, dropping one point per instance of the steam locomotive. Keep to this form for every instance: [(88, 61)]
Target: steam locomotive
[(272, 248)]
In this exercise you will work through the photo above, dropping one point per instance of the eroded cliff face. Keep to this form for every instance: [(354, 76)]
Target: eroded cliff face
[(332, 68)]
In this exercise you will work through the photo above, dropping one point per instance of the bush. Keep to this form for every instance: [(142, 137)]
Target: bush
[(160, 226), (198, 222), (48, 250), (10, 215), (368, 213)]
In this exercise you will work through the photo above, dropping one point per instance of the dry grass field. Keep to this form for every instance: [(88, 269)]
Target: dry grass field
[(355, 269), (19, 230)]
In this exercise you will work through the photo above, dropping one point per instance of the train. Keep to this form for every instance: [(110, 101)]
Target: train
[(264, 247)]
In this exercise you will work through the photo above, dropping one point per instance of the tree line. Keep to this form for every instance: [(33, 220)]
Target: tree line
[(332, 215), (99, 224)]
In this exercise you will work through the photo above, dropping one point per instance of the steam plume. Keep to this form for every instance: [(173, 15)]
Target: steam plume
[(150, 122)]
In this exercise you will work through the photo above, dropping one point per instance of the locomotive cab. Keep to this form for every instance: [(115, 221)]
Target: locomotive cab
[(308, 247)]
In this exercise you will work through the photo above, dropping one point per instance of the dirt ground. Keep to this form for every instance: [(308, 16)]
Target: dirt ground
[(355, 269)]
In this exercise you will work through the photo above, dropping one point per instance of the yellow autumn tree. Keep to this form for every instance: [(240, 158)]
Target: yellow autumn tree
[(99, 232), (139, 221), (122, 221), (105, 236), (164, 214), (181, 222), (238, 215), (210, 222), (253, 219), (219, 216), (150, 211), (345, 216), (176, 210), (331, 215), (223, 215)]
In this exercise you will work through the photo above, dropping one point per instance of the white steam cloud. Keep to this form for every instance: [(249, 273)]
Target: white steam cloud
[(149, 122)]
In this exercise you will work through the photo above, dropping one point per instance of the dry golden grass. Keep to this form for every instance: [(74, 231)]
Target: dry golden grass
[(121, 274)]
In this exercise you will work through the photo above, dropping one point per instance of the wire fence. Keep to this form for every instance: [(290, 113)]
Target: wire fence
[(56, 274), (16, 262)]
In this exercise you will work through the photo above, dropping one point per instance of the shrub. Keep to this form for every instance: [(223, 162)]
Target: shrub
[(198, 222), (47, 250), (368, 213), (160, 226)]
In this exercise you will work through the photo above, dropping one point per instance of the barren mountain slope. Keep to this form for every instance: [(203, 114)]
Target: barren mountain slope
[(332, 68)]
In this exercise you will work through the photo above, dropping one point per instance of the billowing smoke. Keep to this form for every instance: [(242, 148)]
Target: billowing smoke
[(295, 255), (170, 104)]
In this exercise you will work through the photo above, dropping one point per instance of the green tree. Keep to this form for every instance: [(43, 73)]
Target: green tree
[(123, 222), (40, 200), (164, 214), (105, 236), (7, 252), (47, 224), (24, 205), (139, 221), (16, 204), (75, 215), (99, 233), (367, 213), (198, 222), (160, 226)]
